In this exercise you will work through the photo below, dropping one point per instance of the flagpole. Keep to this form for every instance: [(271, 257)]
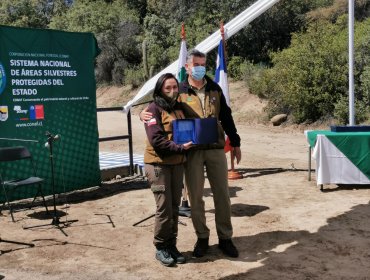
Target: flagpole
[(184, 208), (222, 30), (183, 35), (232, 174)]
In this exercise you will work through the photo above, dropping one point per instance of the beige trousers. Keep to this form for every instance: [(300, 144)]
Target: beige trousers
[(214, 160)]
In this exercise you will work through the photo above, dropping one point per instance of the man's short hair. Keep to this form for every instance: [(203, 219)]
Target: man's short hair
[(194, 52)]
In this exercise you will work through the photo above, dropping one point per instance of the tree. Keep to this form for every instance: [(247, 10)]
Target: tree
[(140, 6), (30, 13), (309, 79), (117, 30), (339, 7), (272, 30), (163, 24), (269, 32)]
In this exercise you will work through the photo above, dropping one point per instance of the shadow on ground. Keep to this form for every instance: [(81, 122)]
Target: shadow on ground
[(344, 187), (324, 254), (244, 210), (257, 172), (107, 188)]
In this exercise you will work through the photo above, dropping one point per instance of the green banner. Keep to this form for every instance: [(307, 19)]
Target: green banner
[(47, 84)]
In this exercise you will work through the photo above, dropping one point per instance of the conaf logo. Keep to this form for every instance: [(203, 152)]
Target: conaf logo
[(3, 113), (2, 78)]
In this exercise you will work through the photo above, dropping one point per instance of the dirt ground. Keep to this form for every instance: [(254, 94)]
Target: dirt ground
[(284, 226)]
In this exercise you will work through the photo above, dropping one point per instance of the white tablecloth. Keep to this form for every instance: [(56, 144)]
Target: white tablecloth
[(333, 167)]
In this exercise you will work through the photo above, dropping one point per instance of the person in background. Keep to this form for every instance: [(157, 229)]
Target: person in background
[(164, 167), (201, 97)]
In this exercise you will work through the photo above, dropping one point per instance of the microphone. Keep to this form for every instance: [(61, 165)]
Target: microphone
[(51, 137), (54, 137)]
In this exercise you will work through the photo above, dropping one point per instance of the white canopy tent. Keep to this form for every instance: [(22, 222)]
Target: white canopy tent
[(232, 27)]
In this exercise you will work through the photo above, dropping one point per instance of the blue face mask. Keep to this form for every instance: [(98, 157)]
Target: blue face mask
[(198, 72)]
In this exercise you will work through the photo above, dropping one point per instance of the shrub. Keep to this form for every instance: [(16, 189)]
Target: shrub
[(310, 78), (134, 76), (233, 68), (341, 111)]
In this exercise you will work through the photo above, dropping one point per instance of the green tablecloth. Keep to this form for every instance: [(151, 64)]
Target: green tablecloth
[(311, 135), (354, 145)]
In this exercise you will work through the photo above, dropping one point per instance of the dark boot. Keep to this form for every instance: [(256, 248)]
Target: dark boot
[(228, 248), (201, 247), (176, 255)]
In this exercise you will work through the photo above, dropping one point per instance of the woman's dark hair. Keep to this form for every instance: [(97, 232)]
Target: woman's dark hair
[(157, 94)]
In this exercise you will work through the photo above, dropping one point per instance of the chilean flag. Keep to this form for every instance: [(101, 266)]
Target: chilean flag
[(221, 72), (221, 79)]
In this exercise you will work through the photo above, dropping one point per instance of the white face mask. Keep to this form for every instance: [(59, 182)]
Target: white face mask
[(198, 72)]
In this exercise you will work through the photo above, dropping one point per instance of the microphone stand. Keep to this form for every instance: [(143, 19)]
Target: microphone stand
[(55, 221)]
